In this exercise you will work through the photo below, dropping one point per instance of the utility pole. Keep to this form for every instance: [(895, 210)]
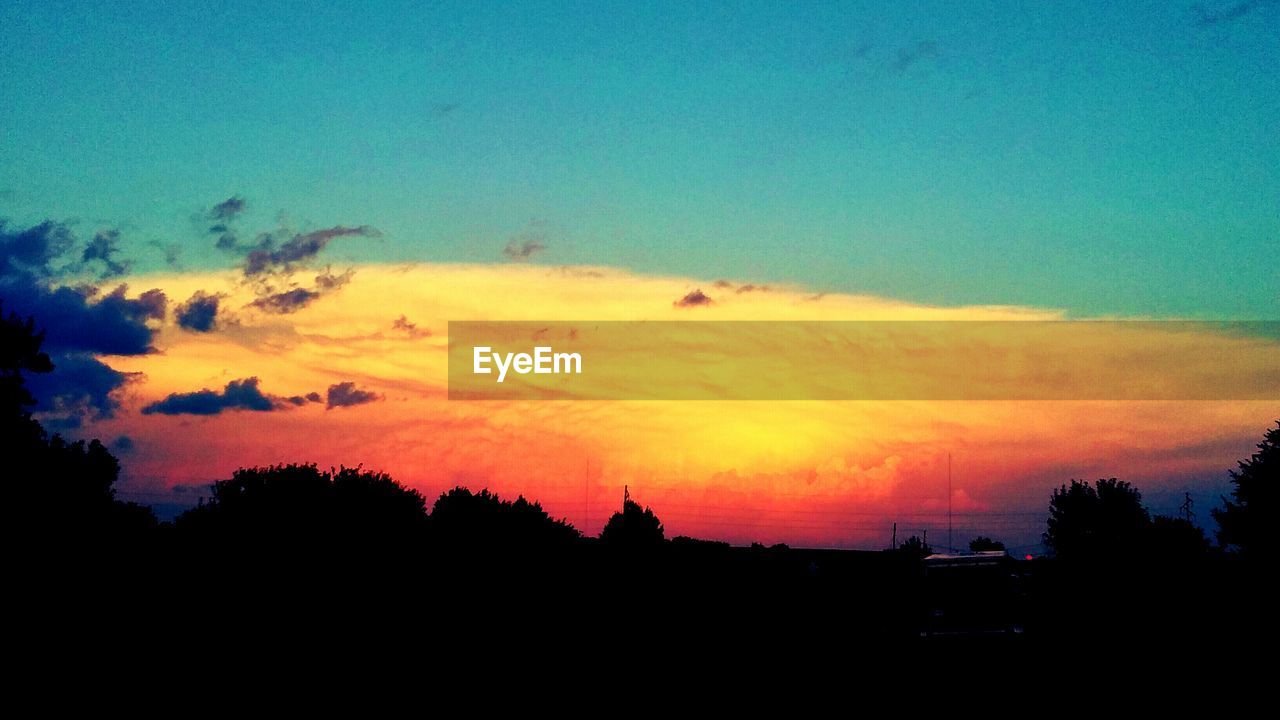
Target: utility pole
[(893, 545), (1186, 510)]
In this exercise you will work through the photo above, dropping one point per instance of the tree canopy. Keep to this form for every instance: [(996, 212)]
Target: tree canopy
[(1245, 519)]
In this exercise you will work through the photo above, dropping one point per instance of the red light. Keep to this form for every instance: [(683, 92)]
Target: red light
[(1029, 556)]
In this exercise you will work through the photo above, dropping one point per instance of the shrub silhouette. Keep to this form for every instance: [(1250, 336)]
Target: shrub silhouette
[(915, 547), (633, 527), (1247, 518), (985, 544)]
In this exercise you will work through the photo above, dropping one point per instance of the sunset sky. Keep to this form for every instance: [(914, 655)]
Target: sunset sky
[(318, 191)]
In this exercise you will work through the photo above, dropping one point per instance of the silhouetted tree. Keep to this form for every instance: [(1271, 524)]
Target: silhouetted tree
[(1175, 538), (480, 520), (916, 547), (20, 435), (1249, 515), (1090, 521), (985, 544), (300, 503), (63, 491), (633, 527)]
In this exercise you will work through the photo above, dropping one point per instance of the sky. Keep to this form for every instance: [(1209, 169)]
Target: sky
[(1076, 160)]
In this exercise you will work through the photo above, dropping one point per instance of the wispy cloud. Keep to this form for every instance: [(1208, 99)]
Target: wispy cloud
[(908, 56), (1209, 17)]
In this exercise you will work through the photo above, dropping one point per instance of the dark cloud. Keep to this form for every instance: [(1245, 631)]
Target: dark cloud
[(122, 444), (272, 259), (346, 395), (103, 249), (79, 322), (286, 302), (199, 313), (80, 388), (312, 397), (694, 299), (237, 395), (518, 249), (298, 249), (153, 303), (409, 328), (1206, 17), (911, 55), (227, 241), (113, 325), (227, 209), (32, 251)]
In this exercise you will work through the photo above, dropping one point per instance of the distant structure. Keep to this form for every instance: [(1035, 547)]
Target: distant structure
[(1185, 510)]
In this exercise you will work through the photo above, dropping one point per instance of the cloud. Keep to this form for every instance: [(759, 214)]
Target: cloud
[(31, 251), (199, 313), (152, 304), (299, 400), (237, 395), (79, 322), (740, 289), (298, 249), (286, 302), (520, 250), (697, 298), (411, 329), (327, 280), (1209, 18), (102, 249), (227, 209), (911, 55), (346, 394), (80, 388), (171, 251), (122, 444)]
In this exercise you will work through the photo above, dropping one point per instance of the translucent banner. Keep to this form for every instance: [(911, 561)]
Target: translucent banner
[(874, 360)]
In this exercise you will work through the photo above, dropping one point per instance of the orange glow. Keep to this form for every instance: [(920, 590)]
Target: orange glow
[(806, 473)]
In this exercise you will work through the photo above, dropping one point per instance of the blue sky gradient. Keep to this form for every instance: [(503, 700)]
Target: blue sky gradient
[(1116, 159)]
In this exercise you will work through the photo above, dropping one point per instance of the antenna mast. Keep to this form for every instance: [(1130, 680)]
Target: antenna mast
[(950, 546)]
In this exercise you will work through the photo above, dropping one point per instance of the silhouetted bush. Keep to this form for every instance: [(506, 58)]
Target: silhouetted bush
[(985, 544), (483, 520), (915, 547), (300, 504), (633, 527)]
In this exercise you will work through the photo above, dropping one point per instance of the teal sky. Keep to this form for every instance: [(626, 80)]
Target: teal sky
[(1106, 158)]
